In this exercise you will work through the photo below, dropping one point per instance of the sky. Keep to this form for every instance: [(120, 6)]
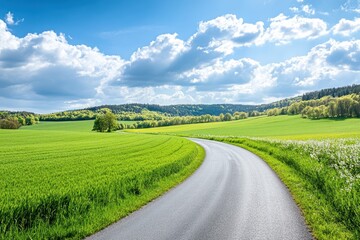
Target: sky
[(60, 55)]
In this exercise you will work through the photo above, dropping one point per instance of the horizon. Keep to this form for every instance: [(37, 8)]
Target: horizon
[(56, 56)]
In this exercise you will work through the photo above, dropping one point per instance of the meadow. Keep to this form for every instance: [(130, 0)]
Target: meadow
[(318, 160), (281, 127), (60, 180), (72, 126)]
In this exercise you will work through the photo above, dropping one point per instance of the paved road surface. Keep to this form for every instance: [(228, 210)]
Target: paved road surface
[(233, 195)]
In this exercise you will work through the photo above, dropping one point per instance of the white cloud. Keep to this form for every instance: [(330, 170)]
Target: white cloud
[(346, 27), (44, 70), (283, 30), (44, 66), (308, 9), (351, 6), (294, 9), (9, 19), (324, 66), (226, 30)]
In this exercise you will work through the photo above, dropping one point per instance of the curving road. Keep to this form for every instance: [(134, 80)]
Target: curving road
[(233, 195)]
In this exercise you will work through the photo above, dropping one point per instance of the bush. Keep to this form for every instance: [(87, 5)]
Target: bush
[(9, 123)]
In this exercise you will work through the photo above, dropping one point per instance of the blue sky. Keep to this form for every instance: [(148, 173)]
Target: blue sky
[(57, 55)]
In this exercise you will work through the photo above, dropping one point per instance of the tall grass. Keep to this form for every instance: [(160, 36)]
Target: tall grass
[(57, 185)]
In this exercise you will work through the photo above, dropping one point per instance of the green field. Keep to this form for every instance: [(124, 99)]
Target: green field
[(73, 126), (293, 127), (318, 160), (60, 180)]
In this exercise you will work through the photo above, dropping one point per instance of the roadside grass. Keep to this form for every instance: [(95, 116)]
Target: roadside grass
[(69, 184), (330, 208), (322, 175), (284, 127)]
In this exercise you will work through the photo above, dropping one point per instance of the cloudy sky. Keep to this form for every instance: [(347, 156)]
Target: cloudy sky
[(57, 55)]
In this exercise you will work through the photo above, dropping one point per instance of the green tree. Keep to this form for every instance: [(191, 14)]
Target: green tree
[(332, 109), (221, 116), (21, 120), (105, 122), (242, 115), (30, 120), (227, 117)]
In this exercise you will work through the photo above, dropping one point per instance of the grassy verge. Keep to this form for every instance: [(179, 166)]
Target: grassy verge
[(63, 184), (329, 210)]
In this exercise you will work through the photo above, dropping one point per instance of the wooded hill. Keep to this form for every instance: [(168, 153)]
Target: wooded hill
[(136, 111), (333, 92)]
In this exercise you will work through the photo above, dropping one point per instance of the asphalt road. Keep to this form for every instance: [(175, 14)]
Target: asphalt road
[(233, 195)]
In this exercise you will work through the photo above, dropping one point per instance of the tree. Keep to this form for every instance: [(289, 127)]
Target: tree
[(236, 115), (242, 115), (332, 109), (21, 120), (221, 116), (30, 120), (105, 122), (227, 117), (9, 123)]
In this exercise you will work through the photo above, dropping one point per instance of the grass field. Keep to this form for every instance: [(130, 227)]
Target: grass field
[(59, 180), (73, 126), (293, 127), (318, 160)]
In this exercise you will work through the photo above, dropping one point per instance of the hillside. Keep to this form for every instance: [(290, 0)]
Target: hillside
[(292, 127)]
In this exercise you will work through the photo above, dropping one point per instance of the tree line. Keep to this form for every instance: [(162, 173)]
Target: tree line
[(14, 120), (170, 121), (333, 92), (325, 107), (106, 120)]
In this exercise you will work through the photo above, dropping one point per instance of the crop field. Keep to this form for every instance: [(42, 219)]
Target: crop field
[(293, 127), (318, 160), (73, 126), (68, 184)]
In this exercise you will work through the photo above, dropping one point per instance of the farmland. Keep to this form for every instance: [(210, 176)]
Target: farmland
[(284, 127), (68, 126), (60, 180), (318, 160)]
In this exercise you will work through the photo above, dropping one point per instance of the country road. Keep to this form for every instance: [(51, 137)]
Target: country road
[(233, 195)]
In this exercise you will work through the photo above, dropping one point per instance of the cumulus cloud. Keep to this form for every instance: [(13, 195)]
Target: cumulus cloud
[(170, 60), (44, 70), (167, 59), (283, 30), (44, 66), (224, 33), (346, 27), (326, 65)]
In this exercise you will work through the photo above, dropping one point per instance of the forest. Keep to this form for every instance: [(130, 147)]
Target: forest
[(325, 107)]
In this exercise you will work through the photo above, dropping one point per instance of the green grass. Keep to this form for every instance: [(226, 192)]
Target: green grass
[(321, 175), (73, 126), (293, 127), (59, 180)]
